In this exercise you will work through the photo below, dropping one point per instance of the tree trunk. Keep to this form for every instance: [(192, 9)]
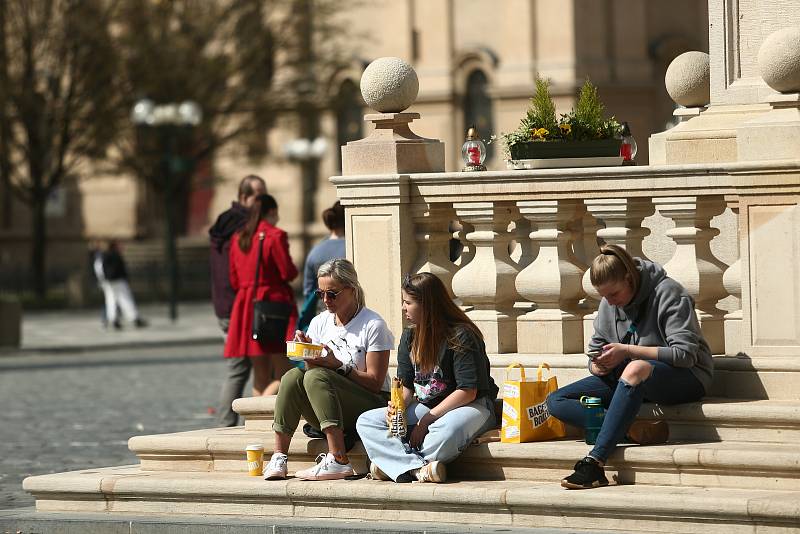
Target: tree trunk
[(5, 133), (39, 246)]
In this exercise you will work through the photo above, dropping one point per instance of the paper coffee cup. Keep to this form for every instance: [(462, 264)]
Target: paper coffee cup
[(255, 459)]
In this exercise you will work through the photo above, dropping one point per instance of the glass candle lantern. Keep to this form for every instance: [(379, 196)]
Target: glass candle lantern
[(473, 151), (628, 147)]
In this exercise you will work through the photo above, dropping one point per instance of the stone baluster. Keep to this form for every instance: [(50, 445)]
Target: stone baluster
[(693, 263), (552, 281), (586, 248), (486, 283), (431, 230), (623, 227), (523, 253), (524, 250), (467, 248), (732, 281)]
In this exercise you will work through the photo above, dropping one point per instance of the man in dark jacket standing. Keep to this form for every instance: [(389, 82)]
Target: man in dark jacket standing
[(222, 295)]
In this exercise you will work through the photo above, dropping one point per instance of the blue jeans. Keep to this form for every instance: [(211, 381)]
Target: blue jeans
[(666, 385), (446, 438)]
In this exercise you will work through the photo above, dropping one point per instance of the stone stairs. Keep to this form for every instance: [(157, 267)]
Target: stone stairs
[(731, 466)]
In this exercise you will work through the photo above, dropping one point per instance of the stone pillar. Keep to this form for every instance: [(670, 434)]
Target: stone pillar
[(552, 281), (776, 134), (623, 218), (374, 186), (11, 325), (693, 263), (487, 282), (732, 281), (737, 92), (389, 85), (433, 241), (392, 148)]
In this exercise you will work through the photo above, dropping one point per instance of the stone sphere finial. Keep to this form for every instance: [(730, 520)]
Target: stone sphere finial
[(389, 85), (688, 79), (779, 60)]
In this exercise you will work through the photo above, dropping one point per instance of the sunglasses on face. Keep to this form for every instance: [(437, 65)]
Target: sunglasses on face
[(329, 293)]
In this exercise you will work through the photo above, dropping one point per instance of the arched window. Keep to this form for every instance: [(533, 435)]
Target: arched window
[(349, 116), (478, 108)]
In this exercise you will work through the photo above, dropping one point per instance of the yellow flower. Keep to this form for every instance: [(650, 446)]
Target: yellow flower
[(565, 128), (540, 133)]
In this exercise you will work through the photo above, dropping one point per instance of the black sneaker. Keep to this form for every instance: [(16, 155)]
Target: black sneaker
[(588, 474)]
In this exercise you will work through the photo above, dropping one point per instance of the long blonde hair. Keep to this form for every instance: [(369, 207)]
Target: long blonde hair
[(439, 320), (614, 264)]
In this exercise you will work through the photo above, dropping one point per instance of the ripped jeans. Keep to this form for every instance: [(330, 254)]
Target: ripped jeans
[(666, 385)]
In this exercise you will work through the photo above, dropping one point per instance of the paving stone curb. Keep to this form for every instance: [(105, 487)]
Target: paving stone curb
[(28, 521)]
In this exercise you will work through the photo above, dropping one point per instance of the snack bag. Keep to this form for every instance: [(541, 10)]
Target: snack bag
[(397, 419)]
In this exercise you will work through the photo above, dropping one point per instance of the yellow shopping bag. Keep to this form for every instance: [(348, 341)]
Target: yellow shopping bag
[(525, 414)]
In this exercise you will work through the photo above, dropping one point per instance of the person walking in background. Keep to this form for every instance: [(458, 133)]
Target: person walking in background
[(96, 264), (116, 288), (222, 294), (266, 357), (331, 248), (447, 389), (647, 345)]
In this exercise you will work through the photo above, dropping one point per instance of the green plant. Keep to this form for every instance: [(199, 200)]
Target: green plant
[(584, 122)]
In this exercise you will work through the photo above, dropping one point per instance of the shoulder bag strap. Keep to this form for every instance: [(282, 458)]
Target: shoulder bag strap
[(258, 261)]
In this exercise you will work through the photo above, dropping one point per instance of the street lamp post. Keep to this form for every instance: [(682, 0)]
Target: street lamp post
[(307, 152), (169, 121)]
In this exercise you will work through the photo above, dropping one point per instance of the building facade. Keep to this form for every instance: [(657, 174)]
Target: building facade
[(476, 61)]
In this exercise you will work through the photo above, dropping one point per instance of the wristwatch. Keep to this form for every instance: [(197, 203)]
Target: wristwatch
[(344, 369)]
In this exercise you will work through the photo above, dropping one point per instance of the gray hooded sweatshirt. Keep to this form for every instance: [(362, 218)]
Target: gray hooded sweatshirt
[(666, 319)]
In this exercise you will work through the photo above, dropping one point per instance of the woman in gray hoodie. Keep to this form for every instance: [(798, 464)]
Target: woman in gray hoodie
[(647, 345)]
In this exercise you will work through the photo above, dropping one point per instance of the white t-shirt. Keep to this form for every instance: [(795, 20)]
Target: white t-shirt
[(366, 332)]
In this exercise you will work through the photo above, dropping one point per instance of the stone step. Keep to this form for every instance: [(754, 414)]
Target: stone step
[(713, 419), (737, 377), (510, 503), (718, 464), (28, 520)]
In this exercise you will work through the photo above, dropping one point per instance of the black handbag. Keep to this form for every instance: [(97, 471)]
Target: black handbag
[(270, 319)]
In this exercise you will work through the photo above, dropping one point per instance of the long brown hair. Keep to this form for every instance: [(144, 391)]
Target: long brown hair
[(614, 264), (440, 321), (258, 211)]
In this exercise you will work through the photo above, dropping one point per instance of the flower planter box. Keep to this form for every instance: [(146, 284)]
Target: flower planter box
[(565, 149)]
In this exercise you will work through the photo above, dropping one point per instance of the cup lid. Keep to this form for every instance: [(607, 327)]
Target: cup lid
[(255, 447)]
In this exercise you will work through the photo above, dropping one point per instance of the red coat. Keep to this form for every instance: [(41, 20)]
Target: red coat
[(277, 270)]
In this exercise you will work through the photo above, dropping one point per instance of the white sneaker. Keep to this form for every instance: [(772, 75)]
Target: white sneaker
[(276, 468), (432, 472), (327, 468), (376, 473)]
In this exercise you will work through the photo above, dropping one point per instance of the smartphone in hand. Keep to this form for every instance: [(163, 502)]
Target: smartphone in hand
[(592, 354)]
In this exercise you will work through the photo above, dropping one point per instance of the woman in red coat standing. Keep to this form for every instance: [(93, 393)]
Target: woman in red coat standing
[(268, 358)]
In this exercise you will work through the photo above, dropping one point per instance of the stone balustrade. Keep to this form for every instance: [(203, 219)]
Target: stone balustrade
[(529, 236)]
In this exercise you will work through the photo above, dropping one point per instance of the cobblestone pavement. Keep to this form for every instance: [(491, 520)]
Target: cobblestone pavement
[(77, 410)]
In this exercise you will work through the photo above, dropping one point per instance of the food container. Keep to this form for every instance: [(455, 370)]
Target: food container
[(297, 350)]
